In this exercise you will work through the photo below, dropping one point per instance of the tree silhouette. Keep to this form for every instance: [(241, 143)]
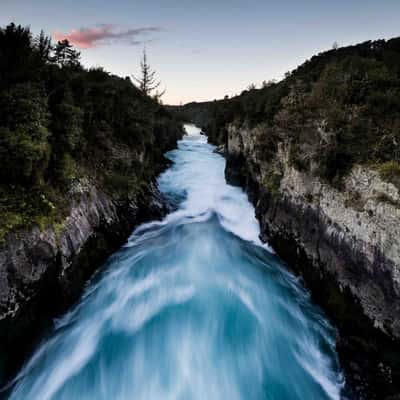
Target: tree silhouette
[(65, 55), (147, 81), (43, 46)]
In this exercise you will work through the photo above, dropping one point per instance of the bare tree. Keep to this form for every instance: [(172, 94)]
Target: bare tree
[(147, 81)]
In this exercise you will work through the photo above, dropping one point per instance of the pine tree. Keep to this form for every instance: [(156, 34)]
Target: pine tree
[(65, 55), (43, 46), (148, 82)]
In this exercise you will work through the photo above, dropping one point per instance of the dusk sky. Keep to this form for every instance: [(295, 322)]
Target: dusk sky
[(205, 49)]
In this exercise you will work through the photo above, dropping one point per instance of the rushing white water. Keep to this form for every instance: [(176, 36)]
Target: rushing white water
[(193, 307)]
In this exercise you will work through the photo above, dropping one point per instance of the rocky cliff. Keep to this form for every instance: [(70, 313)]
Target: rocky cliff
[(343, 241), (43, 271)]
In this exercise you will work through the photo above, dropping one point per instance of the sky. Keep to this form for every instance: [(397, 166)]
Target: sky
[(205, 49)]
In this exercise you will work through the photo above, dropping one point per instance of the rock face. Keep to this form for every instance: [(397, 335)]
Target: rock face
[(344, 242), (42, 272)]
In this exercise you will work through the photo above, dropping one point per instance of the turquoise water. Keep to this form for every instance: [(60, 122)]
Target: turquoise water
[(192, 307)]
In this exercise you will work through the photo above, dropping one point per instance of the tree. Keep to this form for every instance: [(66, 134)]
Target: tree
[(147, 81), (266, 84), (24, 148), (43, 46), (67, 127), (65, 55), (15, 55)]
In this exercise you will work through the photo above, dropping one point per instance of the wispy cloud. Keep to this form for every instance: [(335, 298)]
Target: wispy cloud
[(100, 35)]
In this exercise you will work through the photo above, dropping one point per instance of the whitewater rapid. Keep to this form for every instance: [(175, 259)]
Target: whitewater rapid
[(192, 307)]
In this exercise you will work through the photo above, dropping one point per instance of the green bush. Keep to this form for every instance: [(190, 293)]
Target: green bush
[(24, 145)]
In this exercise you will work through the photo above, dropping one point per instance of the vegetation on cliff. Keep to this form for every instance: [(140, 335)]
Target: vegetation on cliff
[(60, 123), (339, 108)]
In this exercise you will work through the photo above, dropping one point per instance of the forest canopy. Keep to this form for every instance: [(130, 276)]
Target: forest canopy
[(60, 122)]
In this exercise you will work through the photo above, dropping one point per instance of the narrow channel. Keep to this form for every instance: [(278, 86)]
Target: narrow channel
[(192, 307)]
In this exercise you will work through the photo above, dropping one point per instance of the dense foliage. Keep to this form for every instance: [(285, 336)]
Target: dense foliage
[(339, 108), (60, 123)]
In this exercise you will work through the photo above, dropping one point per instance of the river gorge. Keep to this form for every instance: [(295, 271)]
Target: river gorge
[(194, 306)]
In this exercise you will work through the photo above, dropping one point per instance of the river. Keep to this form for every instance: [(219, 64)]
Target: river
[(192, 307)]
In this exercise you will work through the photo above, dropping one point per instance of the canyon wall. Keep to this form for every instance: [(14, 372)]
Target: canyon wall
[(43, 269), (344, 242)]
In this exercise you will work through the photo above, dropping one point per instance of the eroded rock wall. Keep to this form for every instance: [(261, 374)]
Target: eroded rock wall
[(42, 272), (344, 242)]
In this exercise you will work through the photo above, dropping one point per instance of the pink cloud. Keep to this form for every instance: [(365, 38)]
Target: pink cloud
[(85, 38)]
